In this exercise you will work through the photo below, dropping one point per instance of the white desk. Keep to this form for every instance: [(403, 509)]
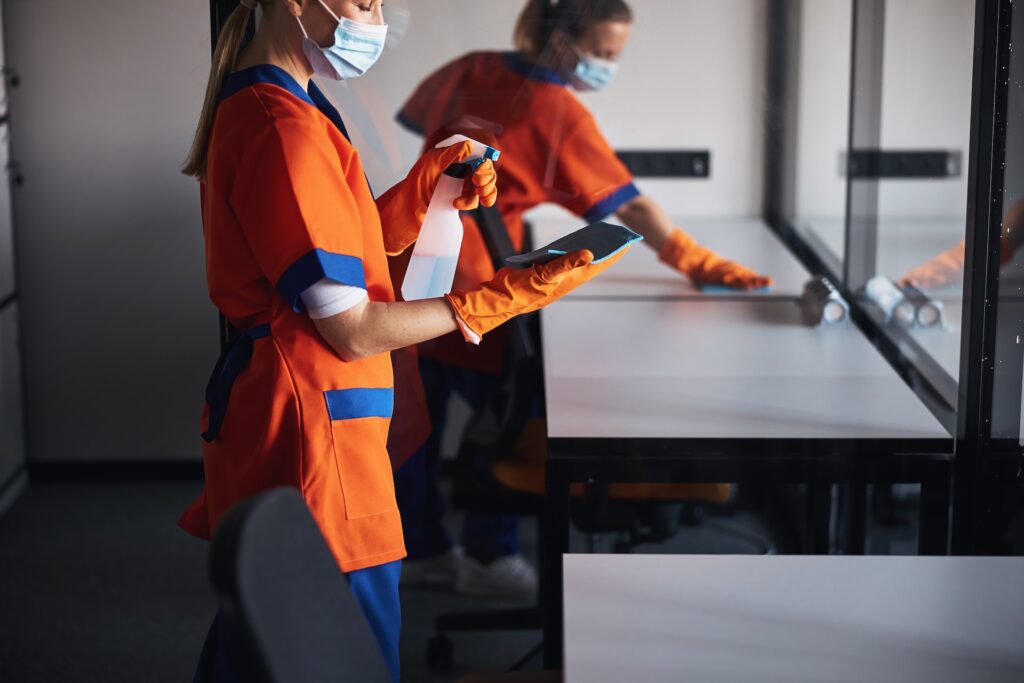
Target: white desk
[(689, 369), (646, 387), (791, 619), (640, 274)]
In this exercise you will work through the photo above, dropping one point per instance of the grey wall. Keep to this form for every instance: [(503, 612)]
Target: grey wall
[(12, 438), (12, 447), (118, 334)]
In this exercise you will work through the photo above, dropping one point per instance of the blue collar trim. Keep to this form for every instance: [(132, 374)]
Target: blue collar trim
[(534, 72), (274, 75), (263, 73)]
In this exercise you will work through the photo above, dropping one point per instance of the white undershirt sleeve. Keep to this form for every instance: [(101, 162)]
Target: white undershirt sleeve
[(327, 298)]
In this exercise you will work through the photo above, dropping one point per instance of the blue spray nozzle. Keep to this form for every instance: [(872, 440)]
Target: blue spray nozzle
[(465, 168)]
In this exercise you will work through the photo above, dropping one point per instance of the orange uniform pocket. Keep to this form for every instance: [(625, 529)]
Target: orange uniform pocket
[(359, 427)]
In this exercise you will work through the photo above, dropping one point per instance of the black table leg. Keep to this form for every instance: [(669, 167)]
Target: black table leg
[(554, 543), (856, 518), (933, 526), (819, 518)]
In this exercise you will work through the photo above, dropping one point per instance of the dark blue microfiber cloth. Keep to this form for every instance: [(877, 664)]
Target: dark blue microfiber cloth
[(604, 240)]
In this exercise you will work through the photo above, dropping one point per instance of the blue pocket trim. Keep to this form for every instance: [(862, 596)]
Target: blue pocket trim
[(352, 404), (315, 266), (612, 202)]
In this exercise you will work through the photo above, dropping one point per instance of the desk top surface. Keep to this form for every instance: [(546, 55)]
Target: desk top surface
[(641, 618), (712, 368), (640, 274)]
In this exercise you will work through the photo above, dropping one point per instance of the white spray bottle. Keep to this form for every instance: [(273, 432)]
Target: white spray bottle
[(436, 254)]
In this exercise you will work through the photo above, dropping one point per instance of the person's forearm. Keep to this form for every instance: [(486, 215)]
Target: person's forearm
[(643, 216), (374, 328)]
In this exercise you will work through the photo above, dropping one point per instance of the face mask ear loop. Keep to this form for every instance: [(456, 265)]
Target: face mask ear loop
[(333, 15), (303, 28)]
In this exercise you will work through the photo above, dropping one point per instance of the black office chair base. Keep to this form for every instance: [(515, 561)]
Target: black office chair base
[(441, 650)]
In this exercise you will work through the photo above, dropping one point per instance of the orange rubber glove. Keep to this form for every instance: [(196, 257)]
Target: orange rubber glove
[(514, 292), (705, 267), (945, 269), (403, 207)]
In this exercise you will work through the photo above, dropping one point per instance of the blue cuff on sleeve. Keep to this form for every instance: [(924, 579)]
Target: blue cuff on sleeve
[(403, 119), (612, 202), (315, 266), (353, 404)]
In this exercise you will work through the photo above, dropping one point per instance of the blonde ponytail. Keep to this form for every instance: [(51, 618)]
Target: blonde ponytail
[(225, 55)]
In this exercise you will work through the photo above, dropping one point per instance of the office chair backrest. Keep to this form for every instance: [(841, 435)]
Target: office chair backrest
[(282, 588), (492, 228)]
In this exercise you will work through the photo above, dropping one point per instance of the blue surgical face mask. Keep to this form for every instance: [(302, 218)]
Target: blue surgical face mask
[(356, 48), (592, 73)]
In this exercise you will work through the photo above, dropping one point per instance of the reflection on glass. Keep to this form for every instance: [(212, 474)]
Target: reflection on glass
[(925, 118)]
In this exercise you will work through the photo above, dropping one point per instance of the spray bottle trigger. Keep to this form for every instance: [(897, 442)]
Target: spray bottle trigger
[(463, 169)]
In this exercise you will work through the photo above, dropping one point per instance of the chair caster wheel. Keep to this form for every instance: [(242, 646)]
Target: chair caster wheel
[(440, 653)]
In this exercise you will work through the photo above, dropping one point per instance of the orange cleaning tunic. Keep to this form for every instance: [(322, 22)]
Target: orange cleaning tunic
[(286, 204), (551, 152)]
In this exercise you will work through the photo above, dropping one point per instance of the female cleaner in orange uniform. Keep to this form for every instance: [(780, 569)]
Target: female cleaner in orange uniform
[(296, 261), (523, 101)]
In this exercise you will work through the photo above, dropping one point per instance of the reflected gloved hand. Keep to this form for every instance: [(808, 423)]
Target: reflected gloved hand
[(515, 292), (403, 207), (705, 267), (945, 269)]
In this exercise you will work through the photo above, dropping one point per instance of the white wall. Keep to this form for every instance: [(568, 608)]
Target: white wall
[(118, 334), (692, 77)]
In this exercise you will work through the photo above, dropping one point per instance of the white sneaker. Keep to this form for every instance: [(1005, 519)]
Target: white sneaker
[(433, 572), (510, 577)]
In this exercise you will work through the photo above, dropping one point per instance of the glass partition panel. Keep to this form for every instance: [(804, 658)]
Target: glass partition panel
[(907, 183), (1008, 382), (924, 137), (822, 127)]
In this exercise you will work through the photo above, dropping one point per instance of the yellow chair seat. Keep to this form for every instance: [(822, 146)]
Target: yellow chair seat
[(525, 473)]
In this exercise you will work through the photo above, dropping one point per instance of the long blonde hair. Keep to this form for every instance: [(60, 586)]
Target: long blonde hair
[(225, 55)]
